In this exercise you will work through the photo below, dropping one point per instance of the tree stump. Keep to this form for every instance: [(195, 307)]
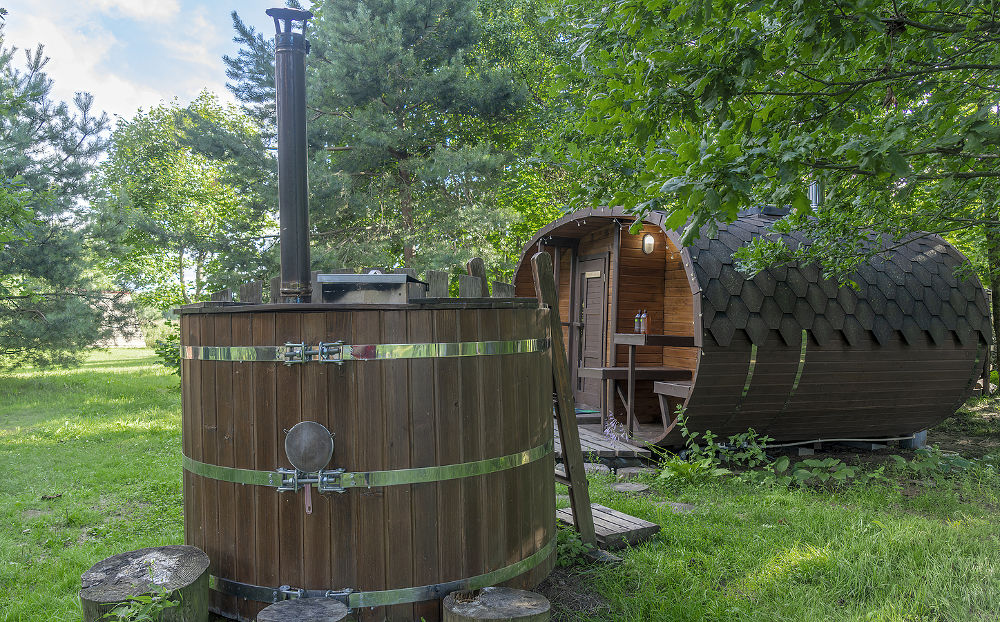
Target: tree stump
[(181, 572), (496, 603), (305, 610)]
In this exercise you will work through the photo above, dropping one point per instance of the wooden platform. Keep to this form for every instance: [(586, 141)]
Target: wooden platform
[(596, 445), (615, 530)]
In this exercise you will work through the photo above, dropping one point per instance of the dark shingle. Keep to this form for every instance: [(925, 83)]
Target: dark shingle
[(752, 296), (797, 282), (803, 313), (882, 331), (847, 299), (853, 332), (822, 331), (863, 312), (756, 329), (791, 331), (722, 329), (940, 334), (911, 332), (784, 296), (717, 294), (771, 313), (835, 315)]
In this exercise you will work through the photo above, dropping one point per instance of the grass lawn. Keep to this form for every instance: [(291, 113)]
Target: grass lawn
[(90, 464), (90, 459)]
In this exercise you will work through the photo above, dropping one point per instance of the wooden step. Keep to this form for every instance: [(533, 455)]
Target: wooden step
[(596, 446), (641, 373), (615, 530), (673, 389)]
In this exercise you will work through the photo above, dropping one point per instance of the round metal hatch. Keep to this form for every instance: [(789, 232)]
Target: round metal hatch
[(309, 446)]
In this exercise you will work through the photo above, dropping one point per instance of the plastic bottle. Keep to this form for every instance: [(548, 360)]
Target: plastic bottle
[(643, 323), (636, 328)]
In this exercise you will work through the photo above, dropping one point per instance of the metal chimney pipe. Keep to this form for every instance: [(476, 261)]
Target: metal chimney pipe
[(293, 185)]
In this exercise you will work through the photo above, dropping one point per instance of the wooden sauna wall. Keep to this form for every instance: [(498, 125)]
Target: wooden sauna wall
[(385, 415), (641, 286), (870, 389), (678, 310)]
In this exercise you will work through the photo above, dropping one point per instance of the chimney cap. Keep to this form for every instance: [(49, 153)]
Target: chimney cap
[(289, 16), (287, 13)]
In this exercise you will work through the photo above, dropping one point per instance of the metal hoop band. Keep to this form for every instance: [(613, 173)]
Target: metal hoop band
[(337, 480), (382, 598), (336, 352)]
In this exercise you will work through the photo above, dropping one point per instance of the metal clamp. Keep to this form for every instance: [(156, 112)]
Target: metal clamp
[(330, 352), (343, 595), (288, 593), (295, 353), (331, 481)]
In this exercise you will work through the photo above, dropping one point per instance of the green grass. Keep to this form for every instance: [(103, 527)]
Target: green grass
[(106, 437), (761, 552)]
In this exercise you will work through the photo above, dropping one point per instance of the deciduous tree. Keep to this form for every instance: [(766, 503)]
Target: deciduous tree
[(175, 224), (703, 107)]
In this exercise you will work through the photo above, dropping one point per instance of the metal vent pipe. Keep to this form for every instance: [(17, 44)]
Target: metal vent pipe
[(293, 185)]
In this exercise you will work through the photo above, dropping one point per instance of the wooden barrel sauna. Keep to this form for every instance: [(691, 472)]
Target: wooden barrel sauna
[(441, 415), (788, 353)]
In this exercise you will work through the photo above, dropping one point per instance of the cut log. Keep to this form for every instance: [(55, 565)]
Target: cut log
[(179, 572), (305, 610), (495, 603)]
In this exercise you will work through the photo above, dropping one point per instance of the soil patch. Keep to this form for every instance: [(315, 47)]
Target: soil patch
[(571, 597)]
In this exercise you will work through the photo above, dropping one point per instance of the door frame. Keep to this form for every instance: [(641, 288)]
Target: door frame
[(577, 315)]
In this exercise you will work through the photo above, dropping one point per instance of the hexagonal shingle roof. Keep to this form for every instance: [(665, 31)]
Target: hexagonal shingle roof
[(913, 288)]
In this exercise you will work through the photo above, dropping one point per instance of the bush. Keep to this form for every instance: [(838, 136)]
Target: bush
[(168, 348)]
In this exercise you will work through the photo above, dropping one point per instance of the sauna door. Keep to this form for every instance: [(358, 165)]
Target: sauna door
[(592, 318)]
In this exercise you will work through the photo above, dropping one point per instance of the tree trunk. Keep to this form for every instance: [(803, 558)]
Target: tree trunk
[(498, 604), (406, 209), (993, 260), (180, 275), (178, 572), (305, 610)]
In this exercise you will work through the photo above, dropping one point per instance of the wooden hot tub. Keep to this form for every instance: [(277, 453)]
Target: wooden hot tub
[(475, 399)]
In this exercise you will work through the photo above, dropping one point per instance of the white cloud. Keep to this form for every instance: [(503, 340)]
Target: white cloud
[(86, 56), (144, 10)]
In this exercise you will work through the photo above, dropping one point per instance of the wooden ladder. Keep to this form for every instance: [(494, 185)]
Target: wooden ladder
[(575, 477)]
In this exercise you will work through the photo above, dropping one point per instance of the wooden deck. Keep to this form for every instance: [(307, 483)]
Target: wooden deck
[(596, 445), (615, 530)]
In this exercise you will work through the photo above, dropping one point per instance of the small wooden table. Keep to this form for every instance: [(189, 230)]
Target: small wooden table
[(633, 340)]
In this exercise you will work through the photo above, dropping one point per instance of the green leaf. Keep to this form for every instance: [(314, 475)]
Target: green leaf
[(898, 164)]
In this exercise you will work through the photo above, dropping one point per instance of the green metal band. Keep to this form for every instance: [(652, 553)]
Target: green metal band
[(798, 372), (336, 352), (382, 598), (750, 369), (369, 479)]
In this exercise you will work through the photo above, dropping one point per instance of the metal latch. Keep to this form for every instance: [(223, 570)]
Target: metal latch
[(332, 352), (343, 595), (296, 353), (330, 480)]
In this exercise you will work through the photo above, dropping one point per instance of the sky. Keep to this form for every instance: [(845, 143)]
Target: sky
[(133, 53)]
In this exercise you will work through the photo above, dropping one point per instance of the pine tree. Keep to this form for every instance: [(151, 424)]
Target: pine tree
[(52, 310), (401, 114)]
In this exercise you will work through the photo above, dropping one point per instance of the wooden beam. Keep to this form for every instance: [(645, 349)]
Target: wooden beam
[(437, 284), (555, 240), (477, 268), (569, 433)]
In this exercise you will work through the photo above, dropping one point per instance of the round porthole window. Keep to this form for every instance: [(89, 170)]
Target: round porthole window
[(648, 243)]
